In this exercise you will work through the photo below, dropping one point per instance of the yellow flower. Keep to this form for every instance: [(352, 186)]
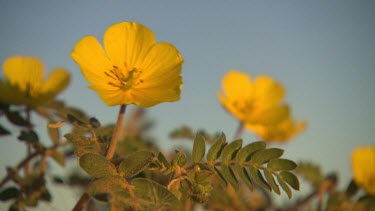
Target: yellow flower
[(131, 68), (363, 166), (25, 84), (258, 105)]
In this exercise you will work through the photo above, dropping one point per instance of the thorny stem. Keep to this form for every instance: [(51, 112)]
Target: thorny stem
[(81, 203), (112, 146), (239, 131)]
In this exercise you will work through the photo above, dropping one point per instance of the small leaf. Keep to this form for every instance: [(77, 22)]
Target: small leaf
[(228, 174), (107, 185), (58, 157), (78, 140), (163, 160), (29, 136), (281, 165), (220, 176), (9, 193), (242, 173), (258, 178), (153, 196), (94, 122), (16, 118), (351, 189), (3, 131), (54, 134), (290, 178), (135, 163), (199, 148), (97, 165), (271, 181), (284, 186), (262, 156), (215, 150), (229, 151), (245, 153), (179, 159), (75, 121)]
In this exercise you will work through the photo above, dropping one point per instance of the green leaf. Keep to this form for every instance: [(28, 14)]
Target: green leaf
[(281, 165), (9, 193), (29, 136), (94, 122), (58, 157), (54, 133), (228, 174), (352, 189), (310, 172), (258, 178), (245, 153), (271, 181), (82, 144), (242, 173), (75, 121), (179, 159), (263, 156), (290, 178), (229, 151), (97, 165), (220, 176), (16, 118), (107, 185), (3, 131), (215, 150), (199, 148), (78, 140), (135, 163), (163, 160), (153, 196), (284, 186)]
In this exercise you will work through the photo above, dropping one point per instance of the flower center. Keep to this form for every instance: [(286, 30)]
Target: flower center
[(123, 79)]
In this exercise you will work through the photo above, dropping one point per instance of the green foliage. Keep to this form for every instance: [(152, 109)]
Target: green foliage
[(215, 150), (199, 148), (135, 163), (97, 165), (153, 196)]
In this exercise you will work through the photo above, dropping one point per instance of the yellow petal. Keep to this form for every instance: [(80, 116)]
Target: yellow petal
[(160, 76), (363, 166), (268, 115), (23, 72), (159, 92), (93, 62), (229, 106), (127, 43), (237, 85), (114, 97), (56, 82), (267, 91)]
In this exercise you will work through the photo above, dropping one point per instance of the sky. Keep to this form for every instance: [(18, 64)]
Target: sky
[(323, 52)]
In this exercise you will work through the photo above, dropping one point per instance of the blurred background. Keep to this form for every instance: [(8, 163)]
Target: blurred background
[(323, 52)]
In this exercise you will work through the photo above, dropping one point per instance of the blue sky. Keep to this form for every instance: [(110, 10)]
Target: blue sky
[(322, 51)]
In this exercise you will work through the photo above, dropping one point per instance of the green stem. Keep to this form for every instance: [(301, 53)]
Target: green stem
[(112, 146)]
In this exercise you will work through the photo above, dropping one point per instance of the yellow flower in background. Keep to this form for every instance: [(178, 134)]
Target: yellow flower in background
[(280, 132), (25, 85), (363, 166), (258, 105), (131, 68)]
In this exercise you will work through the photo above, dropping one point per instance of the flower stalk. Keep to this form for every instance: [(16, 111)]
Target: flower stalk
[(112, 146)]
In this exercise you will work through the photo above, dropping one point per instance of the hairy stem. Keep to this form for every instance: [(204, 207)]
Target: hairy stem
[(239, 131), (112, 146)]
